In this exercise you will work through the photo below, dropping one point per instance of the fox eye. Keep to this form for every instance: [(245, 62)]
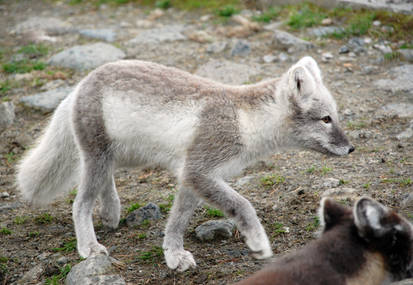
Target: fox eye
[(326, 119)]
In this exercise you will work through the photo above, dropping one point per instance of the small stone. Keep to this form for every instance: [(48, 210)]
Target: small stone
[(283, 57), (216, 47), (406, 134), (145, 24), (269, 58), (399, 79), (326, 21), (406, 54), (348, 112), (284, 40), (7, 115), (327, 56), (387, 29), (369, 69), (149, 212), (155, 14), (108, 35), (210, 230), (356, 45), (170, 33), (4, 195), (199, 36), (33, 275), (241, 48), (377, 23), (9, 206), (341, 193), (47, 101), (62, 260), (383, 48), (43, 256), (344, 49), (23, 76), (324, 31), (331, 183), (367, 40), (205, 18)]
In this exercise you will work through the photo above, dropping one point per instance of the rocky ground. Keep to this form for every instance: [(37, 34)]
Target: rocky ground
[(46, 47)]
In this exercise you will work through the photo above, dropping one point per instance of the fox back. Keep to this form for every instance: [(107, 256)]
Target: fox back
[(369, 245)]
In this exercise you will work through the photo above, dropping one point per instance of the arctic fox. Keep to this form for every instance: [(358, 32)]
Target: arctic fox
[(136, 113), (369, 245)]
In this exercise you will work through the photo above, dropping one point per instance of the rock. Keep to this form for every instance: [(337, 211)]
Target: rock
[(6, 115), (168, 33), (95, 270), (62, 260), (52, 26), (324, 31), (406, 54), (402, 110), (149, 212), (52, 85), (269, 58), (210, 230), (23, 76), (108, 35), (401, 79), (9, 206), (47, 101), (326, 22), (408, 201), (4, 195), (341, 193), (87, 56), (344, 49), (241, 48), (407, 133), (283, 57), (383, 48), (226, 71), (273, 26), (33, 275), (244, 29), (356, 45), (377, 23), (330, 183), (43, 256), (216, 47), (155, 14), (327, 56), (287, 41), (144, 24), (369, 69), (404, 282), (199, 36)]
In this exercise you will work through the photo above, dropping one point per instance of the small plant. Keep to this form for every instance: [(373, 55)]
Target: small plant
[(390, 56), (33, 234), (133, 207), (5, 86), (356, 125), (59, 278), (278, 228), (272, 179), (5, 231), (307, 16), (68, 246), (11, 157), (227, 11), (45, 218), (72, 196), (313, 225), (33, 51), (267, 16), (366, 185), (20, 220), (360, 24), (213, 212), (163, 4), (325, 169), (141, 236), (166, 207), (311, 170), (155, 254), (342, 182), (23, 66), (406, 46)]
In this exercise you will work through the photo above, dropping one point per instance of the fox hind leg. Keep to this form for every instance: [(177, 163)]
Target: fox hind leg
[(110, 206)]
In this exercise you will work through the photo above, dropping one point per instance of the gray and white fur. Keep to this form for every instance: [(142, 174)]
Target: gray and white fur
[(136, 113)]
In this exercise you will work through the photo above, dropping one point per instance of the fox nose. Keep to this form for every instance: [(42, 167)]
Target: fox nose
[(351, 149)]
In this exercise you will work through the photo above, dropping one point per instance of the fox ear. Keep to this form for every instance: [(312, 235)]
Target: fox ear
[(330, 213), (369, 217), (312, 66), (300, 81)]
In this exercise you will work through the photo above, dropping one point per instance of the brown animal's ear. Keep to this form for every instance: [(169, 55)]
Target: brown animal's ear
[(330, 213), (370, 218)]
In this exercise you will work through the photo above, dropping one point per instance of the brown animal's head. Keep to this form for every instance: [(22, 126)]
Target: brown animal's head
[(381, 230)]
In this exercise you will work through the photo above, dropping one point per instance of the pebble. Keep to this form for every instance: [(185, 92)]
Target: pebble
[(377, 23), (326, 21), (241, 48), (330, 183), (149, 212), (400, 79), (324, 31), (170, 33), (327, 56), (407, 133), (33, 275), (269, 58), (284, 40), (211, 230), (344, 49), (47, 101), (62, 260), (283, 57), (108, 35), (383, 48), (7, 115), (4, 195), (199, 36), (216, 47), (406, 54)]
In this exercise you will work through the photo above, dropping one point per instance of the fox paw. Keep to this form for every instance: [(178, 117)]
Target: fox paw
[(180, 260), (92, 249), (259, 245)]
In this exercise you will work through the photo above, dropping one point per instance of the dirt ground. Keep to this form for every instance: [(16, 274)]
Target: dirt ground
[(285, 189)]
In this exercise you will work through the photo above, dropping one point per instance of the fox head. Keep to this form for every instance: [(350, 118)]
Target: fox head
[(313, 111), (380, 230)]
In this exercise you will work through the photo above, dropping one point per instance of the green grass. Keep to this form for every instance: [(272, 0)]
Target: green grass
[(141, 236), (59, 278), (33, 234), (213, 212), (166, 207), (406, 46), (152, 256), (5, 231), (227, 11), (68, 246), (305, 16), (313, 225), (11, 157), (19, 220), (360, 24), (278, 228), (44, 218), (356, 125), (23, 66), (271, 180), (403, 182), (5, 86), (133, 207), (390, 56), (34, 50), (267, 16), (163, 4)]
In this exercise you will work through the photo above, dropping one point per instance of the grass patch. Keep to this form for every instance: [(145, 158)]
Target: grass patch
[(152, 256), (45, 218), (68, 246), (133, 207), (271, 180), (20, 220), (5, 86), (390, 56), (360, 24), (278, 228), (403, 182), (267, 16), (59, 278), (163, 4), (227, 11), (356, 125), (166, 207), (33, 51), (313, 225), (213, 212), (406, 46), (23, 66), (11, 157), (5, 231), (305, 16)]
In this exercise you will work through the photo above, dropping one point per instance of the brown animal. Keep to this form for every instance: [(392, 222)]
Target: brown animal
[(369, 245)]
